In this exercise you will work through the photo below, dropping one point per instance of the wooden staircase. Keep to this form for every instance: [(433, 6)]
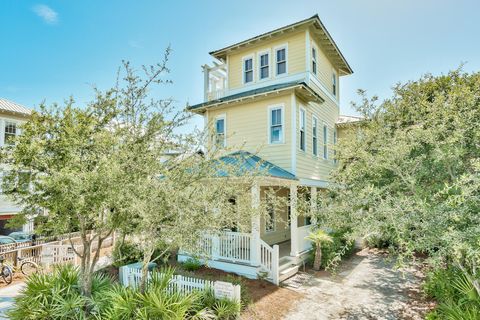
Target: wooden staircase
[(287, 268)]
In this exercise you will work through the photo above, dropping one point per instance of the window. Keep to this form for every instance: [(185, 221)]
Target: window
[(248, 70), (302, 129), (335, 146), (314, 61), (325, 142), (281, 55), (264, 66), (334, 84), (220, 139), (270, 218), (10, 132), (276, 125), (314, 136)]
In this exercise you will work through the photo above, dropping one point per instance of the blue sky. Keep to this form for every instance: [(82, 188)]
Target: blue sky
[(50, 50)]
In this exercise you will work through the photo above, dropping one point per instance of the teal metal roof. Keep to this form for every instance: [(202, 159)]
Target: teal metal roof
[(253, 92), (244, 162)]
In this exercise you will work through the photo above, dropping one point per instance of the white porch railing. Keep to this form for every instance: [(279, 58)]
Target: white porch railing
[(302, 233), (216, 94), (269, 260), (228, 245)]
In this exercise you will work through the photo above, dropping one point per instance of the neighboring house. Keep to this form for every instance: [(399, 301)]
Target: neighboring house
[(12, 115), (275, 97)]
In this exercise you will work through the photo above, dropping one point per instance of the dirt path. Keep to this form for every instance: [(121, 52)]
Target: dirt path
[(366, 287)]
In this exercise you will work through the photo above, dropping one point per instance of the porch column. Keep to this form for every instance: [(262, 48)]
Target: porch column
[(293, 221), (255, 239), (313, 203)]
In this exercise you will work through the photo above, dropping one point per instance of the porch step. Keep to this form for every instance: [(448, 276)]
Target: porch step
[(288, 272)]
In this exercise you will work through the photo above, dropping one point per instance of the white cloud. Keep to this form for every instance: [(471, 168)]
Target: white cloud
[(48, 15)]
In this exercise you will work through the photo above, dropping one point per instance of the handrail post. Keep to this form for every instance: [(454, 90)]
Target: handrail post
[(275, 263)]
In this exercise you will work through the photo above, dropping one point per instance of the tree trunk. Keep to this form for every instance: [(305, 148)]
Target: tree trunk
[(85, 276), (318, 257), (147, 257)]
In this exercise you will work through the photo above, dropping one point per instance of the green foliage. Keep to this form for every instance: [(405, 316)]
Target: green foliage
[(58, 296), (333, 251), (192, 264), (126, 253), (455, 294)]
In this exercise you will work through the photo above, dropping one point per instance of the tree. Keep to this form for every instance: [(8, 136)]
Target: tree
[(319, 237), (408, 174)]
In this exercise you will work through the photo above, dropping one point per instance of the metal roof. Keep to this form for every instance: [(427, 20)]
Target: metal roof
[(266, 89), (9, 106), (314, 20), (344, 119), (244, 162)]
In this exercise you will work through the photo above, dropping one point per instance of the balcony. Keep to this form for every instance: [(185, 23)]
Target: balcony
[(215, 78)]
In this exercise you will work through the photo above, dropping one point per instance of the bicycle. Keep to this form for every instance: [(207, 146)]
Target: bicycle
[(26, 267)]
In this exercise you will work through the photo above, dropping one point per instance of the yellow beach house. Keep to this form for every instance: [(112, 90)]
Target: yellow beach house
[(277, 96)]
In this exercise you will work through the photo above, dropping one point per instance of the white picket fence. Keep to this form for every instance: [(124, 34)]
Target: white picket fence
[(130, 277)]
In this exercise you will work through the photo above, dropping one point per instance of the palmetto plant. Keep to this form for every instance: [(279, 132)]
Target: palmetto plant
[(319, 237)]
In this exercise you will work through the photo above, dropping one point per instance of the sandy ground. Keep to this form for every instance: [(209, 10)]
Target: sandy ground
[(367, 286)]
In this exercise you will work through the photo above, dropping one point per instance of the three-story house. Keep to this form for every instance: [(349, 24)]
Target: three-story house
[(275, 98)]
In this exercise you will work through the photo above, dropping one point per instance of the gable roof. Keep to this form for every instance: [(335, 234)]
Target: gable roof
[(15, 108), (253, 92), (246, 162), (315, 21)]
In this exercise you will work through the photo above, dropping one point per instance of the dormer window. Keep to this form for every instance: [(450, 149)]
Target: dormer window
[(10, 132), (264, 66), (248, 70), (281, 60), (220, 138), (314, 61)]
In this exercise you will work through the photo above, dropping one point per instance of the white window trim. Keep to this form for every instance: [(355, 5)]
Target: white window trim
[(3, 124), (275, 49), (280, 106), (314, 47), (259, 54), (334, 75), (324, 141), (314, 120), (220, 117), (250, 56), (302, 109)]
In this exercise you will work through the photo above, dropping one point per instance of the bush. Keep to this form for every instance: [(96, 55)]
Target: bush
[(455, 294), (192, 264), (57, 296), (125, 253), (383, 239), (332, 252)]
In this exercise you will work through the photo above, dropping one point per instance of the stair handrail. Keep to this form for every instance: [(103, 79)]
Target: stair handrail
[(269, 260)]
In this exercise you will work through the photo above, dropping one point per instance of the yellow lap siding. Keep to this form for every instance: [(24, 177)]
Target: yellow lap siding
[(295, 58), (247, 127)]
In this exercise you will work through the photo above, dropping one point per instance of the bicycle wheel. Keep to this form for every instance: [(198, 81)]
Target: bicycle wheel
[(29, 267), (7, 275)]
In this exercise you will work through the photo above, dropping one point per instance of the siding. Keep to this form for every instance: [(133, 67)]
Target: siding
[(295, 57), (324, 66), (308, 165), (247, 127)]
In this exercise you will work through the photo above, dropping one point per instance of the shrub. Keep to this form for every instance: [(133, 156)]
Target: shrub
[(456, 296), (57, 296), (383, 239), (332, 252), (126, 252), (192, 264)]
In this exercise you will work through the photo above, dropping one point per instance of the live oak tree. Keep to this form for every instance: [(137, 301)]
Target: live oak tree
[(409, 173)]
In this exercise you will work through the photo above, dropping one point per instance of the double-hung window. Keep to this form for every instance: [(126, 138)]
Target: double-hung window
[(248, 70), (276, 125), (302, 129), (264, 66), (314, 136), (220, 138), (334, 84), (281, 60), (10, 132), (325, 142), (314, 61)]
